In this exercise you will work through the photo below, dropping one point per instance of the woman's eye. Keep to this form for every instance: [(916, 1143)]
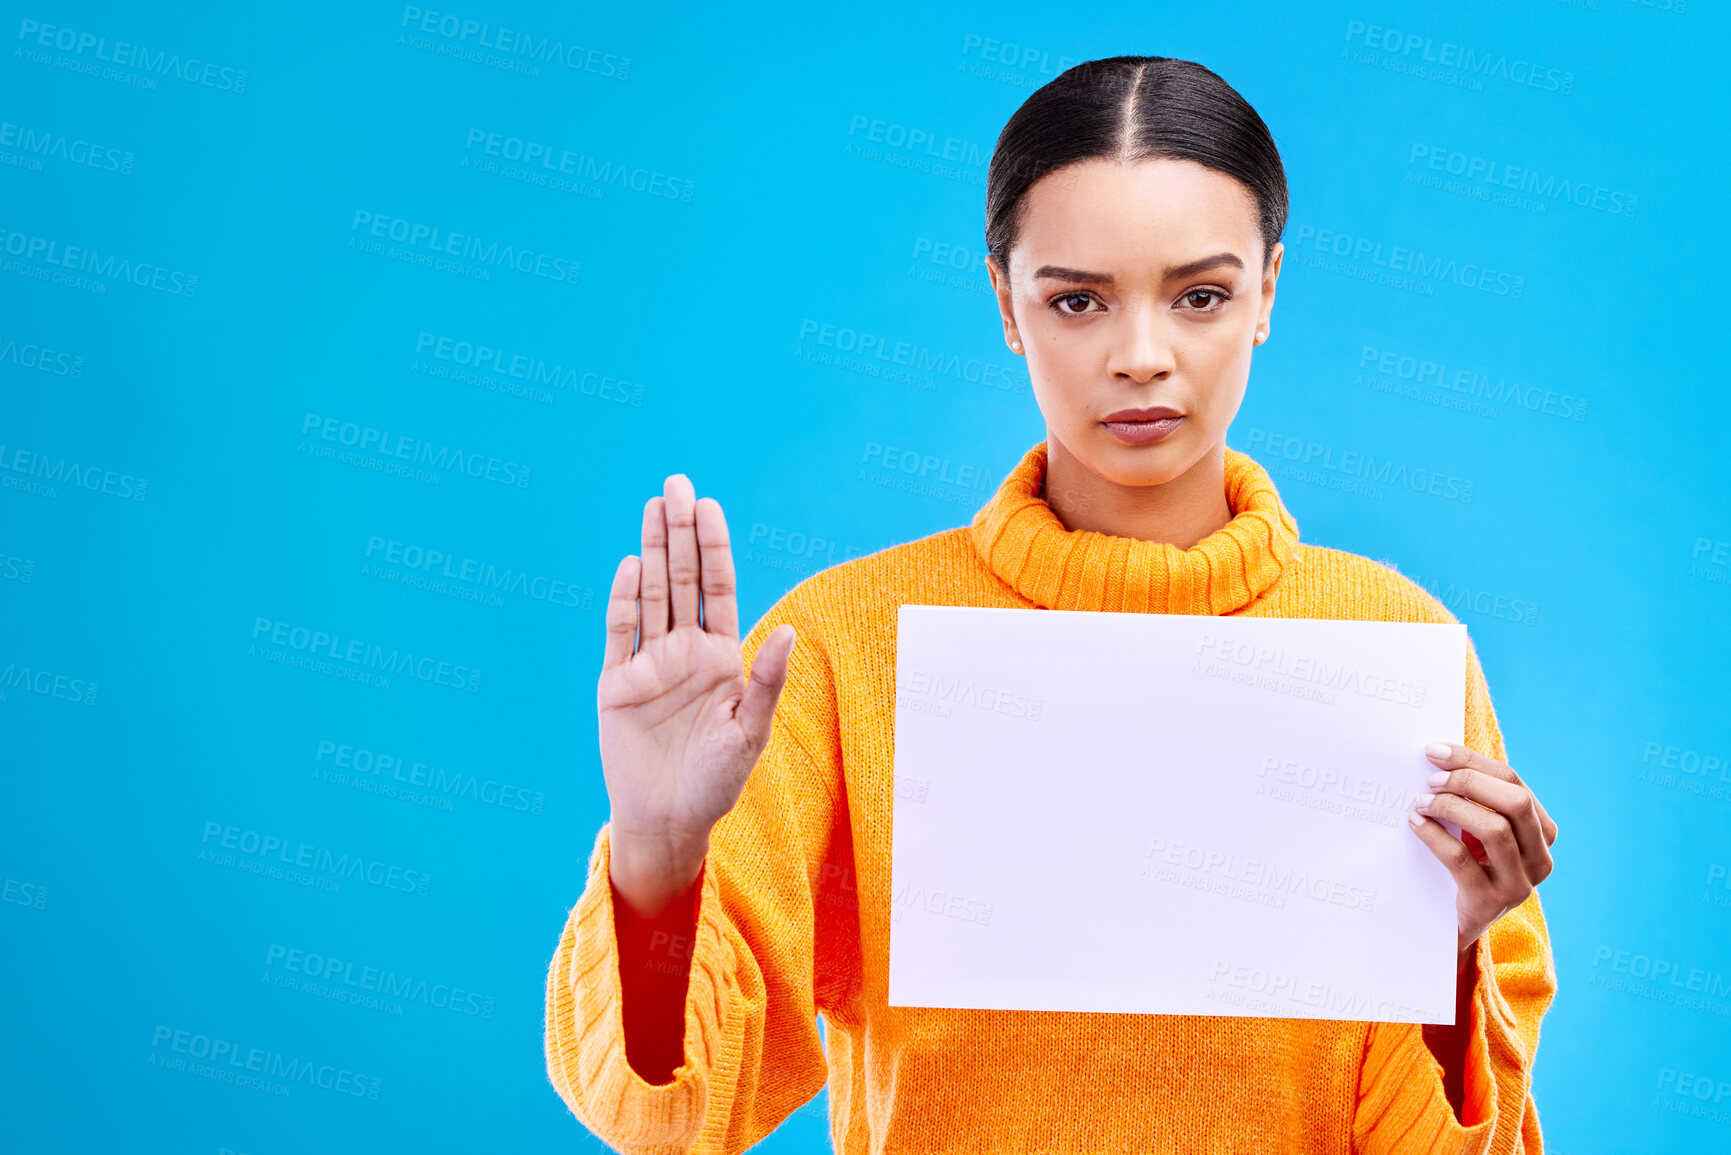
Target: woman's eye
[(1080, 300), (1205, 300)]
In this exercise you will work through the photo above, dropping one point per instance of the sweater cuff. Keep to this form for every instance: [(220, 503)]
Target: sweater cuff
[(1404, 1105), (1497, 1059), (1494, 1060), (586, 1030)]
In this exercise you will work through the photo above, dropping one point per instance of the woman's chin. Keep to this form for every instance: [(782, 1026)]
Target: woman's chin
[(1148, 463)]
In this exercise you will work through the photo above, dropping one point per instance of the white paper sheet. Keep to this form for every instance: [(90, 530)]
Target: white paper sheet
[(1170, 814)]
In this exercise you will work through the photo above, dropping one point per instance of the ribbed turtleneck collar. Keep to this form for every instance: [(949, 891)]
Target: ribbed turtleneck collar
[(1056, 568)]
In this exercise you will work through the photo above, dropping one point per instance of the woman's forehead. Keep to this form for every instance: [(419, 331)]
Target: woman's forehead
[(1149, 214)]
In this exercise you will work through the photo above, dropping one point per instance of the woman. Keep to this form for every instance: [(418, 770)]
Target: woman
[(741, 887)]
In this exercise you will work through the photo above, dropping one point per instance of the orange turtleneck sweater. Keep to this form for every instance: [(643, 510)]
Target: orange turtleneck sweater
[(794, 907)]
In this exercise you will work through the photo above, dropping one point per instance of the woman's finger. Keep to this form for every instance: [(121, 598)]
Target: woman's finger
[(1490, 828), (653, 583), (1451, 756), (715, 556), (1470, 878), (1516, 803), (1498, 787), (1498, 794), (682, 571), (756, 709), (622, 613), (1547, 828)]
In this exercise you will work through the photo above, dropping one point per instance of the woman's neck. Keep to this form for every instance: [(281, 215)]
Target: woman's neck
[(1180, 512)]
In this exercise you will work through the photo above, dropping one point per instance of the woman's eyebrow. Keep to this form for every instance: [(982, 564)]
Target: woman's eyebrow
[(1060, 273), (1189, 269), (1218, 260)]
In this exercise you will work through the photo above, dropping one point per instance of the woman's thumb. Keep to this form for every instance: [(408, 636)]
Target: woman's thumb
[(763, 690)]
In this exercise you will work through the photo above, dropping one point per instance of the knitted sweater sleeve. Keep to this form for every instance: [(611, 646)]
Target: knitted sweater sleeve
[(752, 1051), (1401, 1102)]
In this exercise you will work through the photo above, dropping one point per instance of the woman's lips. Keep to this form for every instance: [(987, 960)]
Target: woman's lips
[(1139, 430)]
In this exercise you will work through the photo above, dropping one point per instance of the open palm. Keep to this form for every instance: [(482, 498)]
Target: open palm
[(681, 725)]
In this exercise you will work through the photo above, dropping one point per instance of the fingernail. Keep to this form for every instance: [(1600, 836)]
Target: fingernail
[(1438, 750), (1440, 778), (1420, 801), (1415, 817)]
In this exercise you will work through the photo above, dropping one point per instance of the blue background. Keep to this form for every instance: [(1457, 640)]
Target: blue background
[(170, 498)]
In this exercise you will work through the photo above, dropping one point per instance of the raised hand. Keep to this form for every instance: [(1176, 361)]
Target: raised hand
[(681, 726)]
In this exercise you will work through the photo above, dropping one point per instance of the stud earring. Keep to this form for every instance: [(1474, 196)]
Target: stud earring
[(1016, 345)]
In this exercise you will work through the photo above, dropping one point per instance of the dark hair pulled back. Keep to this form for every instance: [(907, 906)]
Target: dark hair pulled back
[(1133, 108)]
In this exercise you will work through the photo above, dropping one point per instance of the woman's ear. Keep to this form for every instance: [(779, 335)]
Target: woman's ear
[(1270, 275), (1001, 289)]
